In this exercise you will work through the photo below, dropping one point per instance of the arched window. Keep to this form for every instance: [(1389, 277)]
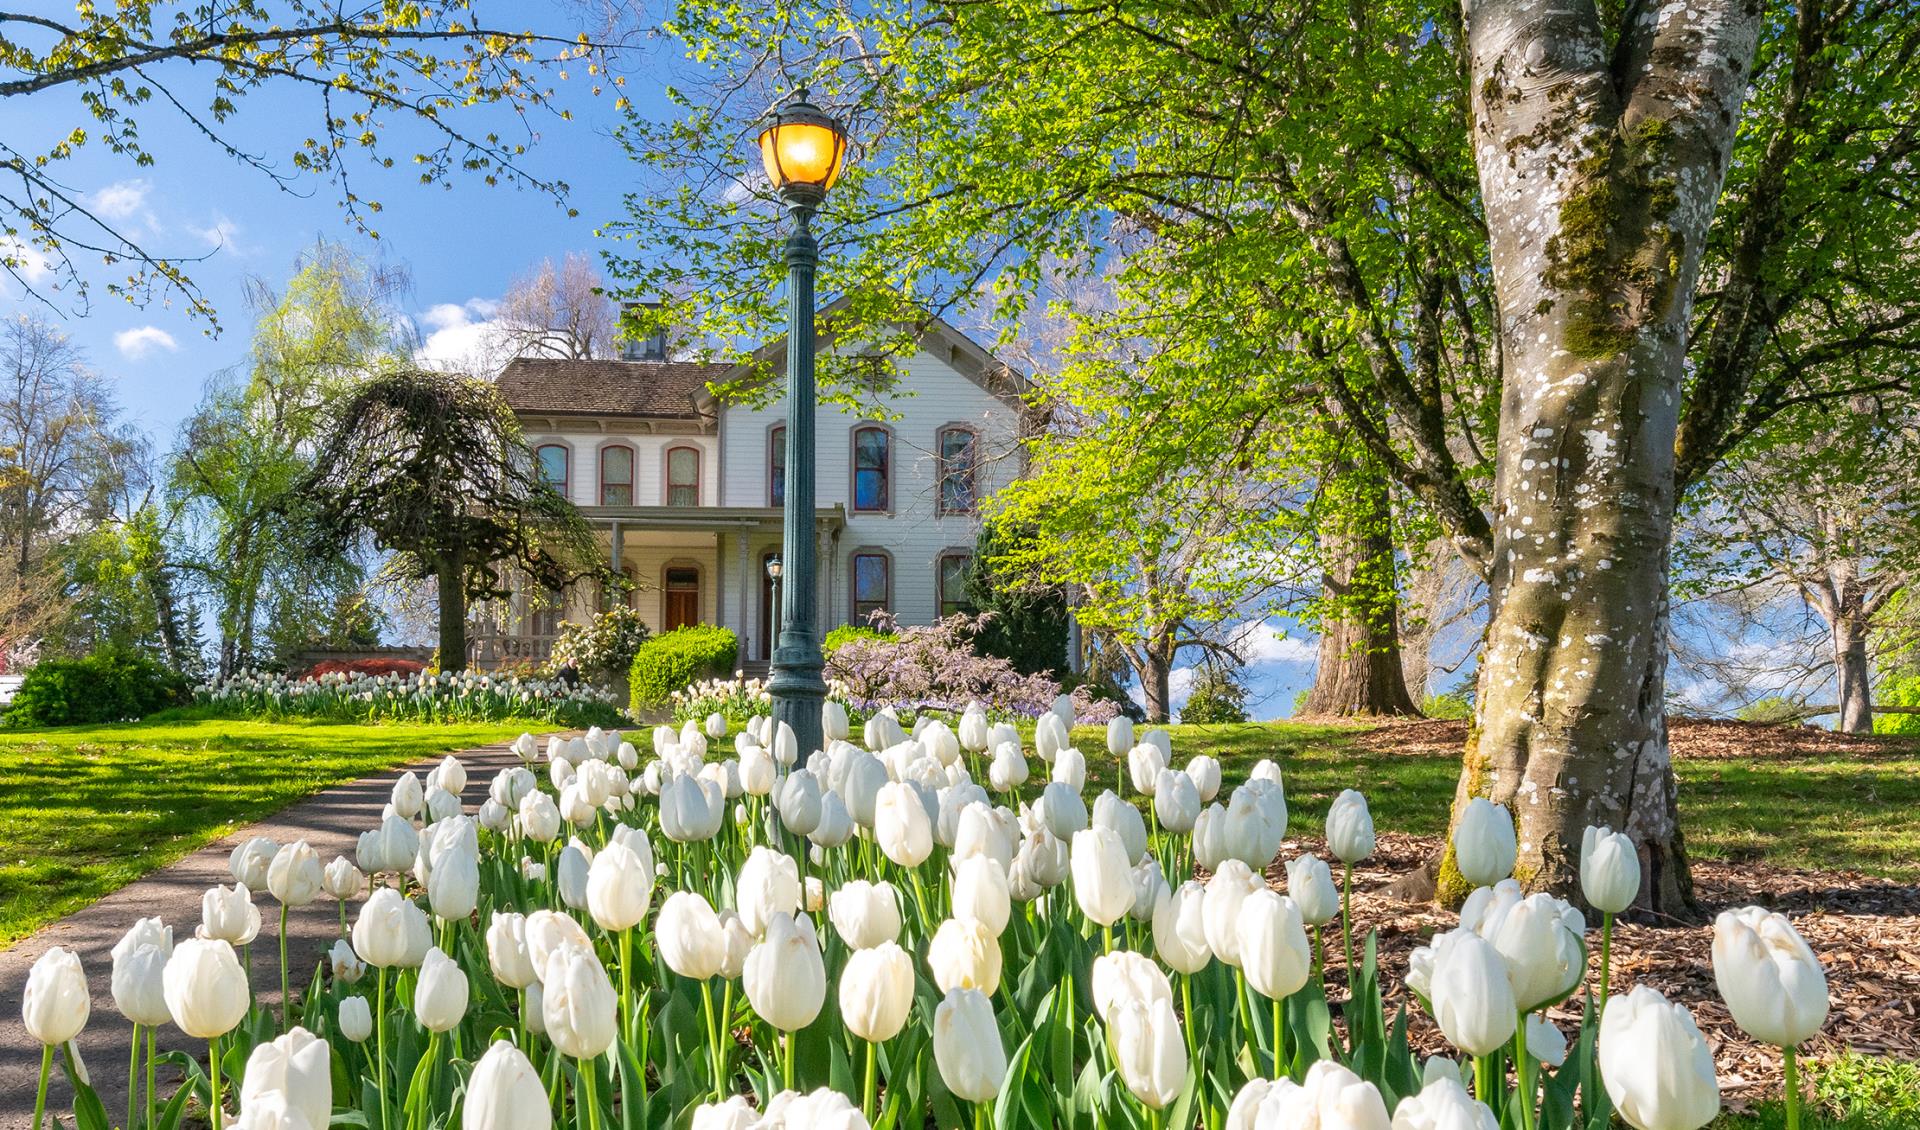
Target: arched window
[(872, 584), (616, 475), (959, 470), (872, 468), (683, 476), (555, 464), (777, 466), (952, 579)]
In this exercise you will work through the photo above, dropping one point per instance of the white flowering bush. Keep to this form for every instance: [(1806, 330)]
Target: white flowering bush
[(932, 927), (459, 696), (736, 699)]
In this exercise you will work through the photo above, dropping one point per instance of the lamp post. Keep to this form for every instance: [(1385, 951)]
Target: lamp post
[(773, 581), (803, 149)]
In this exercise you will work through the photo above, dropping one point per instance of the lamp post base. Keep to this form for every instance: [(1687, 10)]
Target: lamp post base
[(798, 694)]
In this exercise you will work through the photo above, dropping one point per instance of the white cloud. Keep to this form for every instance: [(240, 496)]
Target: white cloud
[(122, 201), (222, 234), (1260, 642), (138, 343), (29, 264), (461, 335)]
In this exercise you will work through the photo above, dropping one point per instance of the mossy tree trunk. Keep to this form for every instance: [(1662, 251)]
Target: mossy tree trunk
[(1600, 171), (450, 579), (1359, 669)]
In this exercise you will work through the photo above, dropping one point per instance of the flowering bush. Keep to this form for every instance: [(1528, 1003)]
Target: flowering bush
[(736, 699), (461, 696), (726, 935), (602, 649), (935, 668), (370, 666)]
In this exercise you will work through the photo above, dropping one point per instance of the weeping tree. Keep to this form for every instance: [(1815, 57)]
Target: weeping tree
[(432, 467)]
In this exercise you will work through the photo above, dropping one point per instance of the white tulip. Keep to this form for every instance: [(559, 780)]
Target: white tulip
[(355, 1019), (139, 961), (1545, 1041), (1180, 930), (785, 976), (767, 884), (1274, 953), (1609, 870), (440, 995), (689, 937), (1176, 802), (294, 876), (227, 914), (619, 887), (1102, 880), (980, 893), (967, 1046), (298, 1068), (1469, 993), (964, 954), (1062, 810), (1008, 769), (1331, 1098), (205, 988), (342, 881), (345, 964), (1123, 977), (1150, 1052), (1149, 883), (391, 931), (248, 862), (1109, 811), (799, 802), (1227, 891), (56, 1003), (1070, 769), (865, 914), (876, 992), (1657, 1068), (505, 1093), (1484, 844), (1769, 977), (1120, 735), (547, 932), (1350, 828), (901, 826), (1204, 772), (1049, 737), (1443, 1104), (577, 1002), (1310, 884), (409, 796), (507, 953)]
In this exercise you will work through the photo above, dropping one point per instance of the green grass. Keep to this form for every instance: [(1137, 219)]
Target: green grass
[(1854, 1092), (88, 809), (1821, 810)]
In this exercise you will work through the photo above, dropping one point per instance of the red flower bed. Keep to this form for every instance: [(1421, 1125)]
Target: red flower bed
[(367, 667)]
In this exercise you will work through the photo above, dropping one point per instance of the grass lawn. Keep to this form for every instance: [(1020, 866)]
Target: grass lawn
[(1814, 808), (88, 809)]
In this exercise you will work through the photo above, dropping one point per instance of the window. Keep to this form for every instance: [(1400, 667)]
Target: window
[(957, 470), (616, 475), (872, 585), (683, 476), (777, 466), (953, 584), (872, 462), (553, 459)]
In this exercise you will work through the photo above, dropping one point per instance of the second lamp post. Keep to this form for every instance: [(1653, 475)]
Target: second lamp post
[(803, 149)]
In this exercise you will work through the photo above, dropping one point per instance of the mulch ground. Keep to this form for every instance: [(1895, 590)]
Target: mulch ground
[(1866, 931), (1691, 739)]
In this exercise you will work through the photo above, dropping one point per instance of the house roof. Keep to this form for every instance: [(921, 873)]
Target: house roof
[(562, 387)]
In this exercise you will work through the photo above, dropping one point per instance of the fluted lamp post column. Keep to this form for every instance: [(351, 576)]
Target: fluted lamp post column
[(803, 149)]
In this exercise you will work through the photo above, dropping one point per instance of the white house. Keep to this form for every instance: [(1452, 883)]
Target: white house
[(686, 490)]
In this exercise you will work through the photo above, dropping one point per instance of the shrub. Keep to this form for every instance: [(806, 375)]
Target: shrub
[(846, 634), (1769, 711), (460, 696), (936, 668), (671, 661), (1452, 706), (371, 666), (103, 687), (602, 649), (1216, 698)]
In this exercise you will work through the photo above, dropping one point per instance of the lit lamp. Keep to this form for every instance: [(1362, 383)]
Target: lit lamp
[(804, 149)]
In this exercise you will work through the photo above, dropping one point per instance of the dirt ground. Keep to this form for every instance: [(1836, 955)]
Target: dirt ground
[(1865, 929)]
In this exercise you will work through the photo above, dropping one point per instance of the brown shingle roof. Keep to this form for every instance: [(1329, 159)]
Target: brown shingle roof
[(606, 388)]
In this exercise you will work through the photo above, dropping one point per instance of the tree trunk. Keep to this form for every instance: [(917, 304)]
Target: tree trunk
[(1359, 669), (1852, 671), (1600, 172), (450, 575)]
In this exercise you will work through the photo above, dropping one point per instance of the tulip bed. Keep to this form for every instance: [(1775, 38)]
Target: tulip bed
[(457, 696), (924, 928)]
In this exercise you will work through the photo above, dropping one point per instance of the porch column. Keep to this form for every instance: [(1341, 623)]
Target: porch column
[(742, 569), (720, 580), (613, 558)]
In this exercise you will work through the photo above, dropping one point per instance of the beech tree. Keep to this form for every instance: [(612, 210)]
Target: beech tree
[(1546, 264)]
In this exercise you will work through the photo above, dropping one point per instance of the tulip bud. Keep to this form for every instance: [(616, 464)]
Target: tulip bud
[(1469, 993), (1609, 870), (833, 721), (1227, 891), (1102, 882), (901, 826), (785, 976), (799, 802), (577, 1003), (1008, 770), (248, 862), (1443, 1104), (865, 914), (980, 893), (1331, 1098), (1310, 885), (56, 1003), (876, 992), (408, 796), (293, 875), (355, 1019), (440, 996), (139, 961), (507, 953), (1120, 736), (689, 937), (1656, 1066), (1179, 928), (967, 1046), (964, 955), (619, 887), (768, 884), (298, 1068), (391, 931), (205, 988), (1204, 772), (1176, 802), (345, 964), (734, 1114), (228, 914), (1484, 846), (1273, 944), (1769, 977), (547, 933), (341, 880), (1123, 977), (1350, 827), (1149, 1051), (505, 1093)]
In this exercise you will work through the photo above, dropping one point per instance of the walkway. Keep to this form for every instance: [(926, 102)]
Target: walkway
[(330, 821)]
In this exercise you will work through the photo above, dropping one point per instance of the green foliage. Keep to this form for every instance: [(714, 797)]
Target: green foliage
[(107, 686), (1453, 706), (671, 661), (1898, 688), (845, 634), (1217, 698), (1024, 625), (1770, 711), (602, 649), (405, 696)]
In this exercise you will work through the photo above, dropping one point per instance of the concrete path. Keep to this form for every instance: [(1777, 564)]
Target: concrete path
[(330, 821)]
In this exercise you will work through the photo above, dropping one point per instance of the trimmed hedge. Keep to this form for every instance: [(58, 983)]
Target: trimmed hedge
[(673, 661), (846, 634), (103, 687)]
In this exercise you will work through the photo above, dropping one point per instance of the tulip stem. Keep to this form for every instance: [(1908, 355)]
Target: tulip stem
[(626, 980), (150, 1119), (215, 1115), (342, 904), (713, 1041), (1346, 919), (380, 1037), (590, 1107), (1483, 1079), (1606, 957), (867, 1096), (1522, 1068), (1790, 1066), (786, 1068), (1279, 1039), (1186, 1011), (133, 1078), (40, 1094), (286, 993), (982, 1116), (1246, 1012)]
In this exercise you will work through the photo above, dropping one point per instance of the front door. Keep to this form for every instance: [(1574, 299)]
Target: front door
[(682, 598), (769, 610)]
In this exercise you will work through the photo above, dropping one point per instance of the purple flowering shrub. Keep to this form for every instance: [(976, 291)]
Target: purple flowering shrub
[(935, 668)]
